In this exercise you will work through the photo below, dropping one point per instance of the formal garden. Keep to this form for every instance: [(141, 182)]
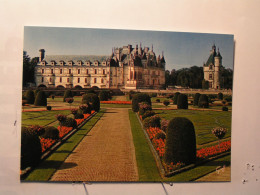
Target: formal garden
[(177, 137)]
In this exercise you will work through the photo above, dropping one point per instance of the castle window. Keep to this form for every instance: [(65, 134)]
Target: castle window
[(86, 80), (69, 71), (87, 71), (68, 80), (42, 79), (51, 71), (42, 71), (60, 71), (210, 84), (60, 79), (211, 67), (104, 71), (210, 76), (102, 80), (50, 79), (78, 71), (95, 80), (78, 80), (95, 71)]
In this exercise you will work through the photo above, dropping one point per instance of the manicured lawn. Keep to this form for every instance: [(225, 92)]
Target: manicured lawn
[(147, 169), (47, 167), (203, 121), (201, 170), (41, 117)]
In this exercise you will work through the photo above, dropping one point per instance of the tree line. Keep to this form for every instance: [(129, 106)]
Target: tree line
[(193, 77), (28, 68)]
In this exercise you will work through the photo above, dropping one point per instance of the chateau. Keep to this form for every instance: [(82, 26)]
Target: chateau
[(126, 68), (212, 69)]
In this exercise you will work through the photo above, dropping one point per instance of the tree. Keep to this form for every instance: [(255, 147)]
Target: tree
[(41, 99), (182, 102), (28, 68), (138, 98), (205, 84)]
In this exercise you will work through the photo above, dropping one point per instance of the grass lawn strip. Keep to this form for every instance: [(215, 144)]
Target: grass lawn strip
[(147, 168), (200, 171), (47, 168)]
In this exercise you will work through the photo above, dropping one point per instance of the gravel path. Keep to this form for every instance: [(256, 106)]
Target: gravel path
[(107, 153)]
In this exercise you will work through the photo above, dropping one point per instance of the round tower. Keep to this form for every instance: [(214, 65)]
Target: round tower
[(42, 54), (218, 64)]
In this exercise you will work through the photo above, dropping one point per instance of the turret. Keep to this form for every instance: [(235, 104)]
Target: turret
[(42, 54)]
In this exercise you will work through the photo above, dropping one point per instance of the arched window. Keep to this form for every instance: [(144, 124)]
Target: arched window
[(60, 79), (42, 79), (95, 80), (78, 80), (60, 71), (102, 80), (86, 80), (78, 71)]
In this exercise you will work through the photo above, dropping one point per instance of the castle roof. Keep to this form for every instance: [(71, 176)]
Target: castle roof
[(211, 59), (75, 58)]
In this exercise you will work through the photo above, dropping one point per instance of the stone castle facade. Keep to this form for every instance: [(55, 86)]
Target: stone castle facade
[(126, 67), (213, 68)]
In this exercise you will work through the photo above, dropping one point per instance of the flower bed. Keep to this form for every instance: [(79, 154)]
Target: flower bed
[(64, 131), (46, 143), (116, 102)]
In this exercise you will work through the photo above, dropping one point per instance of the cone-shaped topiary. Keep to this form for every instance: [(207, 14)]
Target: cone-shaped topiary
[(203, 101), (91, 99), (41, 99), (220, 96), (180, 141), (182, 102), (67, 94), (31, 149), (30, 97), (175, 98), (196, 99), (138, 98)]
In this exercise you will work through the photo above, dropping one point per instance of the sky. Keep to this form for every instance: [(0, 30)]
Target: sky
[(181, 50)]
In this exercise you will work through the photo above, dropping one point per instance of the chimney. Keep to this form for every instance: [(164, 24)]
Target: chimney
[(42, 54)]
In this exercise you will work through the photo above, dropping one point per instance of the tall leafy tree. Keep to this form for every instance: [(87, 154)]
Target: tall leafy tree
[(28, 68)]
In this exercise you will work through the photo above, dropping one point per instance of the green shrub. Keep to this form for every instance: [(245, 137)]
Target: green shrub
[(203, 101), (30, 97), (182, 102), (175, 98), (69, 122), (153, 95), (40, 99), (39, 130), (85, 109), (224, 108), (220, 96), (51, 133), (138, 98), (131, 94), (143, 107), (104, 95), (158, 100), (67, 94), (205, 84), (78, 116), (196, 99), (48, 107), (91, 99), (148, 114), (180, 141), (31, 149), (228, 98), (153, 121), (166, 102)]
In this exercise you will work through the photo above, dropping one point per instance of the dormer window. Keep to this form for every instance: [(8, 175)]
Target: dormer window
[(62, 63), (96, 63), (70, 63), (53, 63), (80, 63), (88, 63), (43, 63)]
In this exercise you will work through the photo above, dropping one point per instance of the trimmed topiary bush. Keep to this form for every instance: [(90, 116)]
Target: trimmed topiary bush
[(148, 113), (41, 99), (138, 98), (144, 107), (158, 100), (67, 94), (153, 121), (85, 109), (203, 101), (224, 108), (180, 141), (39, 130), (220, 96), (166, 102), (228, 98), (93, 100), (51, 132), (30, 97), (70, 122), (31, 149), (182, 102), (104, 95), (78, 116), (196, 99), (48, 107), (175, 98)]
